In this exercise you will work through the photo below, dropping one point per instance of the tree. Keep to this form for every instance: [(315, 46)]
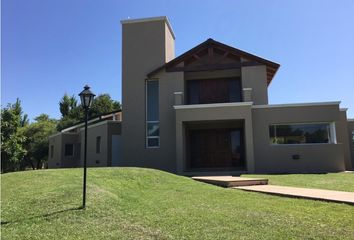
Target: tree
[(103, 103), (73, 113), (67, 104), (36, 143), (12, 150)]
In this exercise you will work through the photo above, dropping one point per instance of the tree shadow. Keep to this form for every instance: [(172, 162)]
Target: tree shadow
[(42, 216)]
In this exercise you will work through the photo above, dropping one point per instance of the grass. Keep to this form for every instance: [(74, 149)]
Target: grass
[(330, 181), (133, 203)]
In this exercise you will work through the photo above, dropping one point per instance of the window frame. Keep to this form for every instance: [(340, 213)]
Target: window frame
[(147, 137), (331, 140)]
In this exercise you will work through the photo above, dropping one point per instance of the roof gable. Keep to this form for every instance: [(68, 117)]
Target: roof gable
[(212, 55)]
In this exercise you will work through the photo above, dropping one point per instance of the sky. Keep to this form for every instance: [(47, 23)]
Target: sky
[(52, 47)]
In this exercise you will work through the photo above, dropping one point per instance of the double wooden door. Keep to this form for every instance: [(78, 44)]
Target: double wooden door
[(216, 149)]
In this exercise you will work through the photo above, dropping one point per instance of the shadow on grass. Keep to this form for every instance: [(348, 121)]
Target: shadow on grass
[(42, 216)]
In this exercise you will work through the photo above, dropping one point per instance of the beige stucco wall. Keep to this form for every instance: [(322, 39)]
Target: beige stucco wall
[(146, 46), (255, 77), (213, 112), (278, 158)]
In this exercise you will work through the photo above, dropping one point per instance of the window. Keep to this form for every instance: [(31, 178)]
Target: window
[(51, 151), (302, 133), (214, 91), (152, 114), (98, 144), (69, 150)]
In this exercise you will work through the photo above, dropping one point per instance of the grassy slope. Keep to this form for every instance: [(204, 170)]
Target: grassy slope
[(130, 203), (330, 181)]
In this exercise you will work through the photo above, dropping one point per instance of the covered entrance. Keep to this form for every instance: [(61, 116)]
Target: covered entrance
[(217, 146)]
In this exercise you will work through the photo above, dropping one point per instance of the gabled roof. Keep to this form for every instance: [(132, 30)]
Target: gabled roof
[(241, 59)]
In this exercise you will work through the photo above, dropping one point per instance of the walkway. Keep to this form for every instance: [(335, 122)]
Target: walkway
[(230, 181), (309, 193)]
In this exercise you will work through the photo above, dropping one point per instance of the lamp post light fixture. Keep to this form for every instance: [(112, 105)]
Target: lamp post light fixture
[(86, 97)]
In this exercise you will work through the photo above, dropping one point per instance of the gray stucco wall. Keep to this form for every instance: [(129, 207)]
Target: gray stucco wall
[(343, 138), (213, 112), (351, 140), (146, 46), (55, 141), (278, 158), (255, 77), (59, 160), (95, 159), (105, 130)]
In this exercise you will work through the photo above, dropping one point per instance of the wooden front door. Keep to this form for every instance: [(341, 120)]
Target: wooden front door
[(213, 149)]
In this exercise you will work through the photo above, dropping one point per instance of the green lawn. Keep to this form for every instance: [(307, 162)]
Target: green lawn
[(330, 181), (132, 203)]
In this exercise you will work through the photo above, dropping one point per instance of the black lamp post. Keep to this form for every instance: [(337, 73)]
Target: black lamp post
[(86, 97)]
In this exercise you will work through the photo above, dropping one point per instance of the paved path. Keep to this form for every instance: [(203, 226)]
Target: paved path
[(230, 181), (310, 193)]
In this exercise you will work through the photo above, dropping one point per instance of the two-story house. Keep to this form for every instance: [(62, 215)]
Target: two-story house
[(206, 111)]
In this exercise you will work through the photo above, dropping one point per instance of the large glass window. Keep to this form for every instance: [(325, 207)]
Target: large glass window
[(214, 91), (152, 114), (301, 133)]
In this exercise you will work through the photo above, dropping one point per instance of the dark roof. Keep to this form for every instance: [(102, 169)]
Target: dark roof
[(272, 67), (98, 118)]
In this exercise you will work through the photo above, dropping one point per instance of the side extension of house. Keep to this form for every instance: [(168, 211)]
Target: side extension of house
[(66, 148)]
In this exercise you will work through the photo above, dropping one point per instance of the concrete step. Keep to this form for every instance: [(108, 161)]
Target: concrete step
[(230, 181)]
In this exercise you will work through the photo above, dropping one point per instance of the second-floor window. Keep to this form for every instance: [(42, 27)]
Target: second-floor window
[(214, 91)]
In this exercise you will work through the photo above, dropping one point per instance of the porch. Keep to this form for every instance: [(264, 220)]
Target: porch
[(214, 139)]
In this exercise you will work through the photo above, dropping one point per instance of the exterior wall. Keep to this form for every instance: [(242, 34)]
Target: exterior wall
[(59, 159), (278, 158), (113, 129), (255, 77), (214, 74), (95, 159), (342, 137), (56, 142), (144, 49), (103, 129), (213, 112), (351, 139)]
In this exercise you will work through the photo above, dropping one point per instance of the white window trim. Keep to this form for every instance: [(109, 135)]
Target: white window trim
[(332, 134), (147, 122)]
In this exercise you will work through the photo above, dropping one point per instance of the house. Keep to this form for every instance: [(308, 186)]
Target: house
[(103, 143), (207, 112)]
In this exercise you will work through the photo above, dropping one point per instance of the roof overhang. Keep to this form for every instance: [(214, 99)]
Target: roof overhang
[(209, 47)]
